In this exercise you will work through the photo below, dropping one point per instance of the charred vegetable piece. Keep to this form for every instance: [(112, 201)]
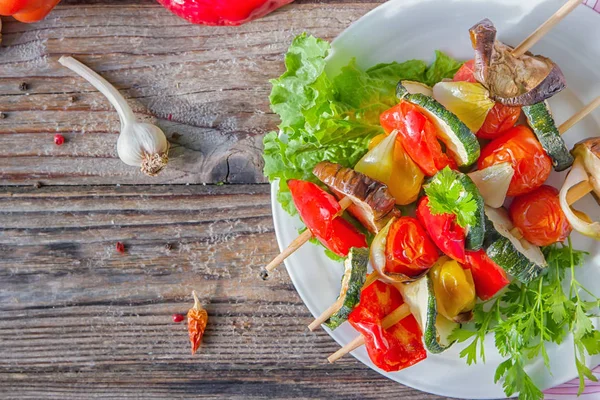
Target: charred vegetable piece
[(513, 81), (454, 290), (517, 256), (541, 121), (353, 280), (420, 297), (391, 349), (373, 205), (585, 168)]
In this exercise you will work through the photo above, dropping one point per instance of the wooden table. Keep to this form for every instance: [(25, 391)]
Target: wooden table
[(80, 320)]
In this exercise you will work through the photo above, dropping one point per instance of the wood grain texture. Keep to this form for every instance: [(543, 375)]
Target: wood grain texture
[(78, 319), (207, 87)]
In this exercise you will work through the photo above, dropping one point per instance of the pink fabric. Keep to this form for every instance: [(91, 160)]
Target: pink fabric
[(569, 389)]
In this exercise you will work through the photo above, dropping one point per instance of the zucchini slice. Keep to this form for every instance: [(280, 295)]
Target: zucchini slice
[(518, 257), (355, 274), (475, 232), (420, 297), (417, 87), (459, 139), (540, 119)]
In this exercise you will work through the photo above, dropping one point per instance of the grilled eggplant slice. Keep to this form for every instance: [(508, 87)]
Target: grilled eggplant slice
[(373, 205), (513, 81)]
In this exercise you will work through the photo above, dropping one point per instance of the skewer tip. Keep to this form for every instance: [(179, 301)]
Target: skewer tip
[(264, 275)]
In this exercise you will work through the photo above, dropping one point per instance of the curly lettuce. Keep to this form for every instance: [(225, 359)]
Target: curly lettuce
[(332, 118)]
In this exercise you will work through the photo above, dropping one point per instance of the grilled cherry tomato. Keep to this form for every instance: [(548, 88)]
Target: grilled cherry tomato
[(465, 73), (443, 229), (409, 250), (418, 137), (488, 276), (391, 349), (27, 10), (319, 211), (499, 120), (539, 217), (454, 288), (520, 147)]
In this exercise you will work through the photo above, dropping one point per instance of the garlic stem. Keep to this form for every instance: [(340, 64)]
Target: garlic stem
[(140, 144), (112, 94)]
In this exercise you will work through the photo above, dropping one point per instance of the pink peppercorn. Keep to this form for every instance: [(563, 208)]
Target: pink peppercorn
[(177, 318), (59, 139)]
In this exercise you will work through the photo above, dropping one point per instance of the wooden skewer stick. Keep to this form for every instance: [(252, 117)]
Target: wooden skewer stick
[(578, 191), (299, 241), (325, 315), (545, 27), (390, 320), (565, 126)]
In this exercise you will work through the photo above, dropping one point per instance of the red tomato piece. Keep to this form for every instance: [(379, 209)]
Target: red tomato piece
[(443, 229), (499, 120), (520, 147), (319, 211), (539, 217), (418, 136), (466, 73), (409, 250), (391, 349), (489, 277)]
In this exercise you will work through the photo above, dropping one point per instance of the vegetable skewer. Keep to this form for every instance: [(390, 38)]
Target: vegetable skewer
[(298, 242), (325, 315), (545, 27), (390, 320)]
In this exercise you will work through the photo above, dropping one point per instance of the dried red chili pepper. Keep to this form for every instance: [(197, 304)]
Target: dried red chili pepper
[(197, 319)]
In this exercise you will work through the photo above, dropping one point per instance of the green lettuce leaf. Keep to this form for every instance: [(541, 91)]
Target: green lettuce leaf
[(332, 118)]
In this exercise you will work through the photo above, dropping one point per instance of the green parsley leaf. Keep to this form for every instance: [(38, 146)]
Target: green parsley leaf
[(448, 196)]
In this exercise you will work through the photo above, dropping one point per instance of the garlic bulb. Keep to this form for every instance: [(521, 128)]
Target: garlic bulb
[(140, 144)]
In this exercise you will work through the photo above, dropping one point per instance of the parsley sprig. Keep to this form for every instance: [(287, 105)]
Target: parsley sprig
[(447, 195), (528, 316)]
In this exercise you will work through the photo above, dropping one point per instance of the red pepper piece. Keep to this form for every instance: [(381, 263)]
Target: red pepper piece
[(391, 349), (489, 277), (222, 12), (418, 137), (27, 10), (466, 73), (443, 229), (319, 211), (409, 250)]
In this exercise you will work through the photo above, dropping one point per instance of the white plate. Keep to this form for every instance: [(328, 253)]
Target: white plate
[(404, 29)]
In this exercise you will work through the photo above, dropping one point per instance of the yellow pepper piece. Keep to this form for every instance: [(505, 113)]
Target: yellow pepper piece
[(388, 163), (453, 286)]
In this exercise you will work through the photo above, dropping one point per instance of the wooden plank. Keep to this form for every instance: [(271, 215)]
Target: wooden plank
[(206, 87), (79, 320)]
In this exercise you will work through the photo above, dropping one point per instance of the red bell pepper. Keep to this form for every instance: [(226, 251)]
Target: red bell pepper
[(27, 10), (418, 137), (320, 212), (222, 12), (489, 277), (443, 229), (391, 349), (409, 250)]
